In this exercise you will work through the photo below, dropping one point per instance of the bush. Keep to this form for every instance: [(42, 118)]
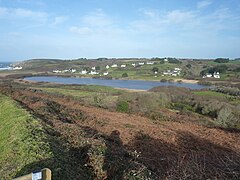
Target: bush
[(221, 60), (123, 106), (155, 69), (205, 83), (163, 80), (188, 66), (124, 75)]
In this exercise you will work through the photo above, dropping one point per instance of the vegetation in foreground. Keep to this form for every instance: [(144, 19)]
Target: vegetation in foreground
[(98, 132), (22, 139)]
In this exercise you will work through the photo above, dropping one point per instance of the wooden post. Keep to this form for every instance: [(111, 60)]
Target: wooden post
[(44, 174)]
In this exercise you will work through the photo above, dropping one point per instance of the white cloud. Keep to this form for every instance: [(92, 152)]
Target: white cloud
[(59, 20), (203, 4), (97, 23), (177, 16), (80, 30), (20, 13), (97, 19)]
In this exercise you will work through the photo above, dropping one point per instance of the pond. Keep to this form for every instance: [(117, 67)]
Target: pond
[(128, 84)]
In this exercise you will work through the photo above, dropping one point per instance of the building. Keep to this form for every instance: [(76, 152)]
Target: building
[(216, 75), (57, 71), (177, 69), (93, 73), (17, 68), (105, 73), (123, 65), (150, 63), (73, 70), (107, 67), (84, 72), (141, 63), (114, 65)]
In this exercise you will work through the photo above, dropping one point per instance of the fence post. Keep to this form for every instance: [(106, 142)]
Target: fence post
[(44, 174)]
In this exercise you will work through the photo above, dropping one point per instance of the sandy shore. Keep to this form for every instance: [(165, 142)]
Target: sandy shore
[(186, 81)]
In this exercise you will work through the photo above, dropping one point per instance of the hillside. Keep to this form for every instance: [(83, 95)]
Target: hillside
[(22, 139), (91, 138), (147, 69)]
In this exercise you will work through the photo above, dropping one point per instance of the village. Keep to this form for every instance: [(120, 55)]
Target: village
[(110, 68)]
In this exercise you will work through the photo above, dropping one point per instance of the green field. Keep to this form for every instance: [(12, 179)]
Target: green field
[(209, 93), (21, 139)]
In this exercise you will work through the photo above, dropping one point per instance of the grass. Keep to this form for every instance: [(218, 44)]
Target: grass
[(83, 91), (209, 93), (217, 95), (69, 92), (18, 145)]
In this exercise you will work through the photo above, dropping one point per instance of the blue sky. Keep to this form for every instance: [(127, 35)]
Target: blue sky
[(119, 28)]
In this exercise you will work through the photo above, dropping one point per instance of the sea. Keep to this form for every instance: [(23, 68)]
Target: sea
[(5, 65)]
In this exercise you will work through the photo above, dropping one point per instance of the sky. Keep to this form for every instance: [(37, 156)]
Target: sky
[(119, 28)]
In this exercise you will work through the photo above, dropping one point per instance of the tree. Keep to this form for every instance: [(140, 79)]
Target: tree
[(188, 66), (124, 75), (222, 60), (174, 61), (98, 68), (155, 69)]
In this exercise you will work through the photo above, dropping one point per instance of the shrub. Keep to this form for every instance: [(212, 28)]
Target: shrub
[(188, 66), (124, 75), (163, 80), (205, 83), (155, 69), (221, 60), (122, 106)]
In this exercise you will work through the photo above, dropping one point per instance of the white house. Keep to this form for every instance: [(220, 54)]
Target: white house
[(155, 72), (17, 68), (207, 76), (168, 72), (216, 75), (114, 65), (93, 73), (84, 72), (123, 65), (174, 74), (107, 66), (73, 70), (105, 73), (141, 63), (66, 70), (177, 69), (150, 63), (93, 68), (57, 71), (165, 60), (133, 64)]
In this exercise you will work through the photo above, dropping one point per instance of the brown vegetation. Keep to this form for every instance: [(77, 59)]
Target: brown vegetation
[(94, 143)]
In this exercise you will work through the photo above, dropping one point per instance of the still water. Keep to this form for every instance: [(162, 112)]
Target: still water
[(128, 84)]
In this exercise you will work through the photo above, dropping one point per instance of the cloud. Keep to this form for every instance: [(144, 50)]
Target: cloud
[(177, 16), (203, 4), (80, 30), (97, 23), (20, 13), (97, 19), (59, 20)]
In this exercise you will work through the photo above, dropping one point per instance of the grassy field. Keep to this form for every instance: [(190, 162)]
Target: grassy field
[(220, 96), (83, 91), (209, 93), (21, 139)]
